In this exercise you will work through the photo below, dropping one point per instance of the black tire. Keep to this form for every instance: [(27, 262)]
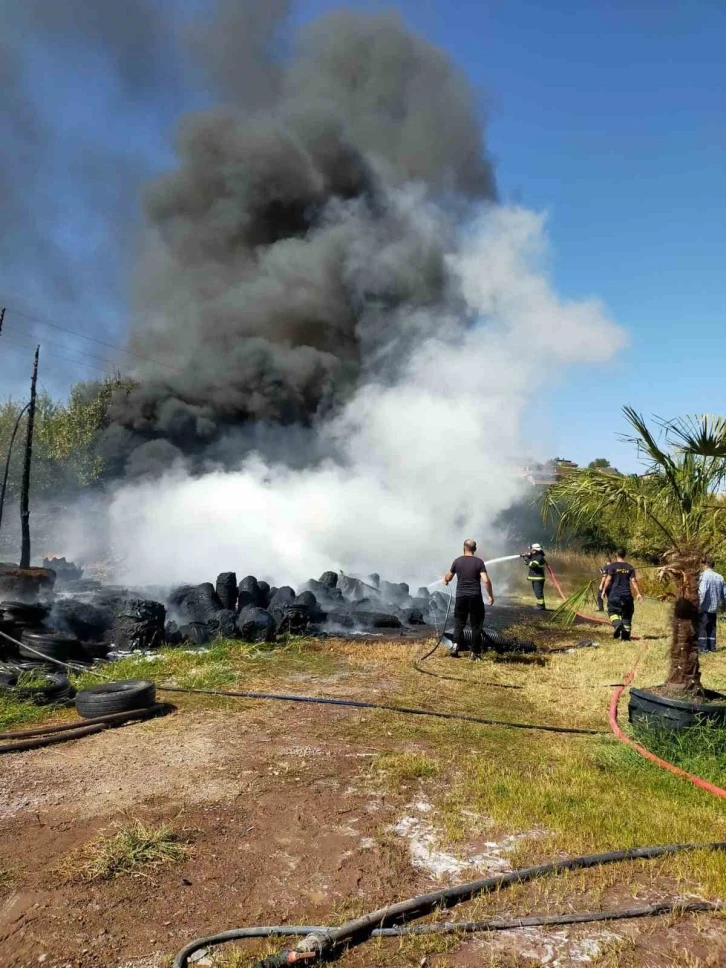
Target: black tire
[(652, 709), (115, 697), (55, 645), (56, 689)]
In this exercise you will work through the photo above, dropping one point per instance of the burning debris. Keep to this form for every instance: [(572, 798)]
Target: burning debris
[(101, 622)]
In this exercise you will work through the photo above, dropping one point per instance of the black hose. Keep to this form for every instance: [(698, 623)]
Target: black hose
[(78, 730), (579, 917), (359, 704), (320, 941)]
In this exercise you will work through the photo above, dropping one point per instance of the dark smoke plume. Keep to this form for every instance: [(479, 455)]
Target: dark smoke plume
[(294, 241)]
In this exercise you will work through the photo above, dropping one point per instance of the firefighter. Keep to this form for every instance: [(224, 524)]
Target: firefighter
[(601, 588), (621, 585), (536, 560)]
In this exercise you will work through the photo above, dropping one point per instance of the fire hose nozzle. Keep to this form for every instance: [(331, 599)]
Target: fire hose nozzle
[(284, 958)]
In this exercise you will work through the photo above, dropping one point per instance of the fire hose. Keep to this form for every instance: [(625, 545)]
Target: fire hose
[(613, 716), (323, 942)]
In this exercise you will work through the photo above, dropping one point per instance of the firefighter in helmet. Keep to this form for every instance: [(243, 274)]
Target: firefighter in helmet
[(535, 559)]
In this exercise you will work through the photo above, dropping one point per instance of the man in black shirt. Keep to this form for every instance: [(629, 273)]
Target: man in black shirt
[(620, 586), (471, 574)]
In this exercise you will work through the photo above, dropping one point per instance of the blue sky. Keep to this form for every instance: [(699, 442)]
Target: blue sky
[(609, 116)]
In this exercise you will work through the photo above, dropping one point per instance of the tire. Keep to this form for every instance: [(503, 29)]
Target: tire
[(115, 697), (57, 689), (56, 645), (651, 709)]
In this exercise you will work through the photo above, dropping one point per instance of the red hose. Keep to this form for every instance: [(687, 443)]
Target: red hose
[(613, 716)]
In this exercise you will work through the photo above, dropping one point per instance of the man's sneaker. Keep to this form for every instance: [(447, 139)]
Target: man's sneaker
[(455, 654), (474, 657)]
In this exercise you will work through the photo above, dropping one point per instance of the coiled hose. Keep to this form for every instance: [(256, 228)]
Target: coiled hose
[(322, 942)]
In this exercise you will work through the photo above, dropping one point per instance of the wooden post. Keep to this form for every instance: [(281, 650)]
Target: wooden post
[(4, 487), (25, 487)]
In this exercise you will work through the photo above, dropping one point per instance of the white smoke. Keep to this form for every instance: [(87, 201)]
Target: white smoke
[(427, 460)]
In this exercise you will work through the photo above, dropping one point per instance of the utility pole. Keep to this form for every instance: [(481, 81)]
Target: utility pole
[(2, 317), (3, 489), (25, 488)]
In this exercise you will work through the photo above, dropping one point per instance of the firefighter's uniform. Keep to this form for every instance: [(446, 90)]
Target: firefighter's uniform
[(536, 574)]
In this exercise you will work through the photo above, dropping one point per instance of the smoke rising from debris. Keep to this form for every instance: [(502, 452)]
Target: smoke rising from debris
[(349, 330), (423, 460), (286, 253)]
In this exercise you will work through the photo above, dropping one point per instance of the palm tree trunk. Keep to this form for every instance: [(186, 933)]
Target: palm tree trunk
[(684, 674)]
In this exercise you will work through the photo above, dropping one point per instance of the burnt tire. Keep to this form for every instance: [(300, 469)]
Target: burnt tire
[(54, 645), (56, 689), (115, 697)]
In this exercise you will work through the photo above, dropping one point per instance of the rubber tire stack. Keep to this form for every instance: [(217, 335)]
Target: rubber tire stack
[(115, 697), (55, 645)]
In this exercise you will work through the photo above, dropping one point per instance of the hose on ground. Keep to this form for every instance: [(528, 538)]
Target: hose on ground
[(319, 942), (33, 739), (697, 781), (406, 710)]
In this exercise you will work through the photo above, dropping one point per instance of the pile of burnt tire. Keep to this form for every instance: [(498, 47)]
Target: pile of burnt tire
[(254, 611), (30, 655)]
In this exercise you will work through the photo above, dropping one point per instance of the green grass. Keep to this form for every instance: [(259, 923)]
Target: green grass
[(699, 749), (225, 664), (130, 849), (404, 767)]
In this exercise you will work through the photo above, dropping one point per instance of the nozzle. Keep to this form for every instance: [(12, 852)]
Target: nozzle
[(284, 958)]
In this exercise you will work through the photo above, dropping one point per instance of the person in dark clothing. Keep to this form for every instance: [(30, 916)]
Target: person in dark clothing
[(536, 575), (601, 587), (620, 587), (471, 574)]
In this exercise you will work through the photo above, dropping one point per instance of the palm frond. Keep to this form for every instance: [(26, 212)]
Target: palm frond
[(703, 436), (568, 611), (578, 499)]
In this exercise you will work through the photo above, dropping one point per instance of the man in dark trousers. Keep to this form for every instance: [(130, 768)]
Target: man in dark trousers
[(536, 575), (471, 574), (711, 598), (601, 587), (620, 587)]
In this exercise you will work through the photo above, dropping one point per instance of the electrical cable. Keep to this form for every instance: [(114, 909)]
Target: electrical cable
[(322, 942), (91, 339)]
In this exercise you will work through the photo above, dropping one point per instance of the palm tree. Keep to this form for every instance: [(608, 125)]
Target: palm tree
[(677, 499)]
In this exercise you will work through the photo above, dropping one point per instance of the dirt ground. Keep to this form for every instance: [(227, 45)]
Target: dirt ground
[(287, 824)]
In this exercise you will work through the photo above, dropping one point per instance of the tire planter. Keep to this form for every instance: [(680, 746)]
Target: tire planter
[(654, 710), (115, 697), (55, 690), (55, 645)]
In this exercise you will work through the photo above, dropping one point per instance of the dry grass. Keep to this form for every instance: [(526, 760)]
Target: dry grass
[(567, 794), (129, 849)]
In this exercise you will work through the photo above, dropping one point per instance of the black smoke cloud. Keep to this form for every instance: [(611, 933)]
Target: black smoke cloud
[(296, 238)]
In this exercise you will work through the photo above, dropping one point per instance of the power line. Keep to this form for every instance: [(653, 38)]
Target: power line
[(72, 349), (92, 339), (90, 366)]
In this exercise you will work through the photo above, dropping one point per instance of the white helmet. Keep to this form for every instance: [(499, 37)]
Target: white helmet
[(536, 547)]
